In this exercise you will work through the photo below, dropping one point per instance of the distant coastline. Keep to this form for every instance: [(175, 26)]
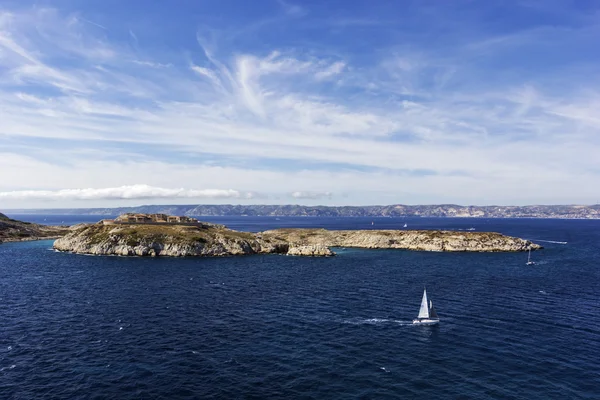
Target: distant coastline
[(397, 210)]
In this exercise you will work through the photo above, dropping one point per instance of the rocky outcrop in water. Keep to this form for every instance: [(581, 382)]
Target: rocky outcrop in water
[(166, 240), (310, 250), (217, 240), (409, 240)]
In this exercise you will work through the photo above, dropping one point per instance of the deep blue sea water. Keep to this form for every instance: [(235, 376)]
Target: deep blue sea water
[(257, 327)]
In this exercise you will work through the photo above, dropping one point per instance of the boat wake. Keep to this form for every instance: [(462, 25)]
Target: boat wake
[(374, 321), (541, 262), (549, 241)]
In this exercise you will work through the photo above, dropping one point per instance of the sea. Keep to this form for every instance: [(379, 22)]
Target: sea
[(281, 327)]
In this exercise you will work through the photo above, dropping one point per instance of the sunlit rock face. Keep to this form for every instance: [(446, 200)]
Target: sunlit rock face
[(216, 240)]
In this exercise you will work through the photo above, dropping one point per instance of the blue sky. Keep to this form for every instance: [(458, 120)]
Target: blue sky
[(110, 103)]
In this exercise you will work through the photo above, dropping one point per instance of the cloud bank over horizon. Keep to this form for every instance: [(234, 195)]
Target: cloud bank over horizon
[(147, 192), (124, 193), (360, 103)]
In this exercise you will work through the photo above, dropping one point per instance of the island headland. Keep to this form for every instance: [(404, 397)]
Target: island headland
[(12, 230), (163, 235)]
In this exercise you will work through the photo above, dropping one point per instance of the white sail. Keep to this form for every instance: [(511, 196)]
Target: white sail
[(424, 310), (529, 262)]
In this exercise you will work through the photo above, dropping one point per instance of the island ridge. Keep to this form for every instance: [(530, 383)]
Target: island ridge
[(123, 236)]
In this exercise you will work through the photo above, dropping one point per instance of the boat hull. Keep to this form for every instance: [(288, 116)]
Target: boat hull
[(426, 321)]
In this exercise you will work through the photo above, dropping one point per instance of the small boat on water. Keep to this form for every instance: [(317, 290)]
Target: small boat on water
[(427, 314), (529, 262), (405, 225)]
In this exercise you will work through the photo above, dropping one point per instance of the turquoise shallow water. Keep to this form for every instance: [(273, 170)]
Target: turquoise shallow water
[(284, 327)]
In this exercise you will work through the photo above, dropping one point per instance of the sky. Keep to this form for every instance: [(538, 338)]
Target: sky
[(115, 103)]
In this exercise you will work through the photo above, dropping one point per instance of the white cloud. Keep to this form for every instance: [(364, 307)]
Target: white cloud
[(267, 186), (94, 23), (334, 69), (208, 73), (251, 93), (311, 195), (122, 193), (152, 64)]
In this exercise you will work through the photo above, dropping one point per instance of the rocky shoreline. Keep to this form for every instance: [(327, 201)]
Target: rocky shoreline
[(418, 240), (17, 231), (211, 240), (29, 239)]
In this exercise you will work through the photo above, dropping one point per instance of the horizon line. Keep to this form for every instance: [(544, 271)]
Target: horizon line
[(304, 205)]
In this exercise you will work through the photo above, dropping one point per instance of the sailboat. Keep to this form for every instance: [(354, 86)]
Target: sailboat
[(427, 314), (405, 225), (529, 262)]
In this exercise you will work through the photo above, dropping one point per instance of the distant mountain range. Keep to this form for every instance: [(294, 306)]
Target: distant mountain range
[(398, 210)]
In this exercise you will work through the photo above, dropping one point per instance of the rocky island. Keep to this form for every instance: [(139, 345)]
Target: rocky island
[(12, 230), (158, 235)]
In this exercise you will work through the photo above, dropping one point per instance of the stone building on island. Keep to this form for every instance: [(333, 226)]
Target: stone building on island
[(136, 218)]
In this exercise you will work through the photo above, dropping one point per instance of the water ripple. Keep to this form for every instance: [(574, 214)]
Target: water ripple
[(283, 327)]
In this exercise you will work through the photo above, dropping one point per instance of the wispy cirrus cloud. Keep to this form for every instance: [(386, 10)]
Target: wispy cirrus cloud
[(291, 8), (332, 70)]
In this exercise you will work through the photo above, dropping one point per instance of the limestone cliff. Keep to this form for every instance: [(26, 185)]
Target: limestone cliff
[(410, 240), (217, 240), (165, 240), (310, 250)]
